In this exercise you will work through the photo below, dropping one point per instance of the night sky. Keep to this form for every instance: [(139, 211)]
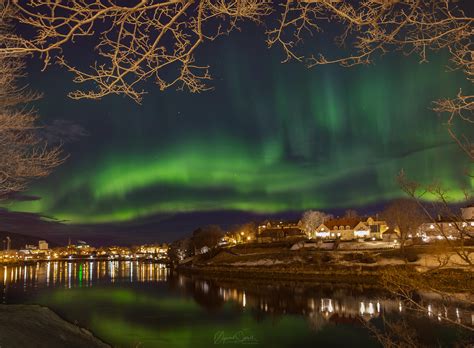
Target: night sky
[(270, 138)]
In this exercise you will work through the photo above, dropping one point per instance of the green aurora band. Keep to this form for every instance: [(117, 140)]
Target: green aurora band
[(271, 137)]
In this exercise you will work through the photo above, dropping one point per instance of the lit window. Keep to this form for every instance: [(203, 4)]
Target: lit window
[(432, 226), (361, 233), (322, 234)]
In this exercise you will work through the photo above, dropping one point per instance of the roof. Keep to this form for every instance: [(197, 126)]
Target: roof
[(280, 232), (351, 222), (293, 232), (271, 232), (389, 232), (280, 222)]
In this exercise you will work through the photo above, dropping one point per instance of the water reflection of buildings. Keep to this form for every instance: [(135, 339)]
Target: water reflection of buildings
[(320, 309), (78, 274)]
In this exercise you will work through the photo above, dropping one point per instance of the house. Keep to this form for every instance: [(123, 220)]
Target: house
[(450, 227), (278, 224), (279, 234), (377, 227), (350, 228), (390, 236), (279, 231), (442, 228), (342, 228)]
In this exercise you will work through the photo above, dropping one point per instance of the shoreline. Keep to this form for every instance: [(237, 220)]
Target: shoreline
[(76, 260), (367, 276), (269, 263), (21, 324), (340, 276)]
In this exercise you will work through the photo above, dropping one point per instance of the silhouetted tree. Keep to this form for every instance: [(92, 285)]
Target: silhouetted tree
[(311, 219), (405, 216), (207, 236), (180, 249)]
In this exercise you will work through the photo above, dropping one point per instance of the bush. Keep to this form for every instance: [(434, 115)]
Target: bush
[(368, 259), (351, 257), (410, 255), (326, 258)]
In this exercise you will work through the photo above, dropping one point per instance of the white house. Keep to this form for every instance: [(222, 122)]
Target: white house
[(350, 229), (445, 228)]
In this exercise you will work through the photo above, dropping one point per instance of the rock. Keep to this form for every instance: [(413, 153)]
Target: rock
[(297, 246), (36, 326)]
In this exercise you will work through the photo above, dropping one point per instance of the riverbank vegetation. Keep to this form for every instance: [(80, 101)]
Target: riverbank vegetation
[(280, 262)]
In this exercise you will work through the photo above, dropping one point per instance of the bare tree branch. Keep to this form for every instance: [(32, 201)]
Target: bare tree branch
[(23, 155)]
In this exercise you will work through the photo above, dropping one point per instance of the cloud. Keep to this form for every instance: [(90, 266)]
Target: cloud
[(62, 131), (20, 197)]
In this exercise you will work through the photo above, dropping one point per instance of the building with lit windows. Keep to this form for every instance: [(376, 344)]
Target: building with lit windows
[(279, 231), (444, 228), (351, 228)]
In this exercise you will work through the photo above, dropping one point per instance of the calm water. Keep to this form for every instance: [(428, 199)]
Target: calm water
[(131, 304)]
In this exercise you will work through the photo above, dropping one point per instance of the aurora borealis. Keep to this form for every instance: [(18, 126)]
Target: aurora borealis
[(269, 138)]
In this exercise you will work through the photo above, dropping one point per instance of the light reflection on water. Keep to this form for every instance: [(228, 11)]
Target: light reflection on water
[(78, 274), (340, 307), (76, 289)]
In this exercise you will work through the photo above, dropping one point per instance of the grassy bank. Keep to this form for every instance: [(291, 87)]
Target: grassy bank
[(279, 262), (284, 274)]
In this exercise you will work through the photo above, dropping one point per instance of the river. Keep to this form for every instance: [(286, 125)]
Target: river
[(131, 304)]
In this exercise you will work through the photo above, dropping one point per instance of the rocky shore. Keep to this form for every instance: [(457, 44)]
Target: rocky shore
[(37, 326)]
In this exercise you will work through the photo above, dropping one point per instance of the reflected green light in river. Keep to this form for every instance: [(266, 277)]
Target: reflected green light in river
[(80, 275), (177, 322), (179, 311)]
